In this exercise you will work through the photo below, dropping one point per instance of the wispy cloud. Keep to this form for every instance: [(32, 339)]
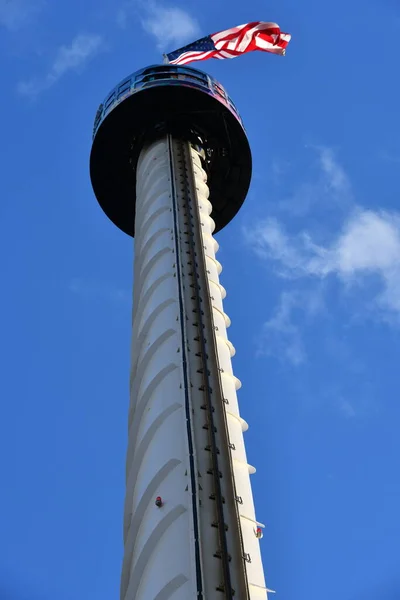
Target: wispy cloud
[(16, 13), (346, 408), (271, 242), (282, 335), (168, 25), (327, 187), (335, 177), (351, 398), (364, 247), (353, 253), (279, 169), (367, 245), (94, 289), (351, 249), (68, 58)]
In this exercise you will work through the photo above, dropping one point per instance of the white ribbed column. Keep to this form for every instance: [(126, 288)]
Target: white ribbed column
[(179, 351), (157, 560)]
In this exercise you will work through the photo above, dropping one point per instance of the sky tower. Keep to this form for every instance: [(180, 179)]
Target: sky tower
[(170, 164)]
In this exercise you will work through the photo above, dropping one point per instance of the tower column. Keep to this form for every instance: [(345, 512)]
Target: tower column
[(189, 521)]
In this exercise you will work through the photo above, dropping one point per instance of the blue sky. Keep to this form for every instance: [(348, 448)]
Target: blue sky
[(311, 265)]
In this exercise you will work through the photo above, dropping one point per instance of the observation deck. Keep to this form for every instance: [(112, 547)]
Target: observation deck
[(167, 99)]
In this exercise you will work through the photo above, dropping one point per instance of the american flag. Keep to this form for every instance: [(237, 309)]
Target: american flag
[(233, 42)]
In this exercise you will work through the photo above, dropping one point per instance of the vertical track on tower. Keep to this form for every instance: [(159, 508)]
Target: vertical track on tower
[(186, 377), (189, 244)]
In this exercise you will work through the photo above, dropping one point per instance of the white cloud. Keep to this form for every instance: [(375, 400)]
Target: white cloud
[(82, 48), (170, 26), (346, 408), (327, 188), (335, 176), (351, 248), (367, 245), (354, 398), (370, 242), (282, 336), (279, 169), (73, 57), (270, 241), (16, 13)]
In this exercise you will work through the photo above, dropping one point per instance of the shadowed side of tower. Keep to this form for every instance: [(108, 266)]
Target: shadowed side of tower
[(171, 164)]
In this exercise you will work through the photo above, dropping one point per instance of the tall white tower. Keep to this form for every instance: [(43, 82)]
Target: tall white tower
[(170, 164)]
